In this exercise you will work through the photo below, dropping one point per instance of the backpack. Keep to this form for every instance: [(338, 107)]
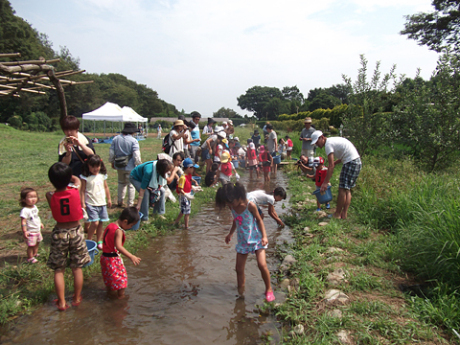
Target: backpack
[(166, 146)]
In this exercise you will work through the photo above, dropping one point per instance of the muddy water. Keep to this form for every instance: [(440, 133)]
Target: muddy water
[(183, 292)]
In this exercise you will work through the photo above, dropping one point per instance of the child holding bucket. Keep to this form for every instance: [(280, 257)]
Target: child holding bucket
[(112, 267), (67, 238), (251, 234), (320, 175)]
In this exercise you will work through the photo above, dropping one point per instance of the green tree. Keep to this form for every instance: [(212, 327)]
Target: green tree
[(365, 122), (437, 30), (226, 113), (256, 99), (427, 121)]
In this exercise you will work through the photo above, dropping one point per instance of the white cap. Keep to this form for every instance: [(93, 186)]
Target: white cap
[(314, 137), (230, 122), (222, 134), (236, 139)]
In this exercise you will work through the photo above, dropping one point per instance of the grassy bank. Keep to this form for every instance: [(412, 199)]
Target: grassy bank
[(403, 235), (25, 159)]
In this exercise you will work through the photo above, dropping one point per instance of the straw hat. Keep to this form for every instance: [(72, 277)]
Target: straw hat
[(225, 157), (178, 123)]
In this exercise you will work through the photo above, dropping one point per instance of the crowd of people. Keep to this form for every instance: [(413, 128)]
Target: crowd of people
[(82, 192)]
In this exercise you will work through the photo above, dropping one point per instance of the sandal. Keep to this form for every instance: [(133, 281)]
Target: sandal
[(61, 308), (269, 296), (76, 303), (32, 261)]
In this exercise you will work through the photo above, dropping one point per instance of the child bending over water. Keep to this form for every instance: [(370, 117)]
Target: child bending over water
[(112, 267), (251, 234)]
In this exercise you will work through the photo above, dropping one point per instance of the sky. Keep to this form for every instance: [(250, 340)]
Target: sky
[(200, 55)]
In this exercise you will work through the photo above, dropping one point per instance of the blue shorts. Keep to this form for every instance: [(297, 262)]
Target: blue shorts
[(97, 213), (349, 174), (205, 154)]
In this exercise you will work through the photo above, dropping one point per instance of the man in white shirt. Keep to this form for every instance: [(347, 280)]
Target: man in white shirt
[(340, 150)]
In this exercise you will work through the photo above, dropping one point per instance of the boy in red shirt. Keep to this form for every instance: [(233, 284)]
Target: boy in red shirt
[(289, 145), (184, 187), (67, 238), (321, 172)]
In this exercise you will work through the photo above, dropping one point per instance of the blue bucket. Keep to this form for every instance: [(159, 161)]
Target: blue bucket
[(136, 226), (236, 164), (92, 250), (323, 198), (277, 159), (197, 179)]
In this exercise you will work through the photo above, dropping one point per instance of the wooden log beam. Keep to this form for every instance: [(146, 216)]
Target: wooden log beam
[(24, 68), (5, 55), (60, 91), (29, 62)]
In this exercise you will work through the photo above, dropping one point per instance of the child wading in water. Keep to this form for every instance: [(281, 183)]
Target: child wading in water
[(67, 239), (112, 267), (251, 234), (95, 196), (184, 187), (266, 159), (251, 160), (30, 223)]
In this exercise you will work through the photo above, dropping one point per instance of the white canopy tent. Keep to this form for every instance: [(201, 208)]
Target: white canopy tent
[(112, 112)]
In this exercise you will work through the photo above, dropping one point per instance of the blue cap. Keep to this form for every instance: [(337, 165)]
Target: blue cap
[(187, 163)]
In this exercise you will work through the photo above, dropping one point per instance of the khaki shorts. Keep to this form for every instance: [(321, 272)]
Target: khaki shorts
[(68, 243)]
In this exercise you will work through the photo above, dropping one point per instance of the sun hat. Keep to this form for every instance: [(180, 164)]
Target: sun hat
[(224, 158), (314, 137), (224, 123), (236, 139), (222, 134), (256, 132), (178, 123), (252, 146), (130, 128), (218, 129), (187, 163), (230, 122), (249, 140), (307, 120), (224, 141)]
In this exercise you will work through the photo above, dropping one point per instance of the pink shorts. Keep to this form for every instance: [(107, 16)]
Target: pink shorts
[(34, 238)]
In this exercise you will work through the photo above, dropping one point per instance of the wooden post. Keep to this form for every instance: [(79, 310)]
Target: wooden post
[(60, 92)]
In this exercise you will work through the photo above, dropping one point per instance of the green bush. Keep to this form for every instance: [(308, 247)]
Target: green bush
[(15, 121)]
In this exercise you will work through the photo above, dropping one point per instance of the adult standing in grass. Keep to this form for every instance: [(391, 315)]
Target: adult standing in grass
[(125, 155), (272, 144), (208, 129), (340, 150), (305, 136), (75, 147), (195, 133), (177, 137)]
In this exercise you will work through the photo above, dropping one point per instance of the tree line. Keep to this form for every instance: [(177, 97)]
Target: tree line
[(41, 112)]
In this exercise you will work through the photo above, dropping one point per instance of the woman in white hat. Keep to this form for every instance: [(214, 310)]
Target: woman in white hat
[(176, 137)]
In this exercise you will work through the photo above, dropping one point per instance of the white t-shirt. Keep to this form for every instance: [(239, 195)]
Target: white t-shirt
[(30, 214), (95, 191), (342, 148), (261, 198), (205, 145)]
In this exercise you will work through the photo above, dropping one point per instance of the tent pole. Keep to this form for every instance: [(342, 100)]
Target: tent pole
[(104, 128), (94, 128)]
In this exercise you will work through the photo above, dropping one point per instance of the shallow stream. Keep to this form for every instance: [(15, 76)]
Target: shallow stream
[(183, 292)]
